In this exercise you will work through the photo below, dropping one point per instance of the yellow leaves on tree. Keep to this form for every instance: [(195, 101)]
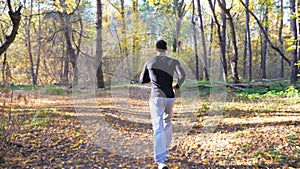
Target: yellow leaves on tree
[(67, 6)]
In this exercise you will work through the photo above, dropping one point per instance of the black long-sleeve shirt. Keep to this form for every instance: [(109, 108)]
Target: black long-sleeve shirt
[(160, 71)]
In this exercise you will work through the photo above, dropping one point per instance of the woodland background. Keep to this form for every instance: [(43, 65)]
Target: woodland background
[(42, 41)]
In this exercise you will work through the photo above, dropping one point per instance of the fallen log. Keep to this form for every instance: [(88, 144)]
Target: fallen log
[(235, 87), (200, 85)]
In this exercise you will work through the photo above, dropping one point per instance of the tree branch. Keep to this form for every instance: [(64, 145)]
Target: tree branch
[(81, 34), (75, 9), (15, 17), (266, 35), (9, 5), (115, 6)]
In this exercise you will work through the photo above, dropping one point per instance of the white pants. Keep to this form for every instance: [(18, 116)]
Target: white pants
[(161, 110)]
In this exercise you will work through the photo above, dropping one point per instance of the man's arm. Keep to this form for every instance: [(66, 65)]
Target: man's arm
[(144, 78), (181, 75)]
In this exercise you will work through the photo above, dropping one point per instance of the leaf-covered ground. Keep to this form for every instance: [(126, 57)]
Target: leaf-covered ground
[(54, 131)]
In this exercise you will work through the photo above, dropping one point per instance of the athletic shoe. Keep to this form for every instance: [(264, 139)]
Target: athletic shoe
[(162, 166)]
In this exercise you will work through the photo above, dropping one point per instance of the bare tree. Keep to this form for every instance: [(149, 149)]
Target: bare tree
[(245, 51), (99, 52), (248, 48), (135, 39), (15, 17), (28, 33), (34, 65), (223, 39), (179, 9), (123, 40), (65, 18), (39, 42), (264, 44), (266, 35), (195, 42), (298, 49), (280, 40), (234, 58), (204, 54), (70, 51), (5, 66), (294, 71), (222, 47)]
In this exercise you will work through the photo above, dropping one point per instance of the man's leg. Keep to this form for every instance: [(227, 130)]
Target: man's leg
[(168, 120), (157, 108)]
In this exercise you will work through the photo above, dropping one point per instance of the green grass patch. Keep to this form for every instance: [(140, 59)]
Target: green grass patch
[(55, 91), (38, 123), (40, 118), (25, 87), (259, 92)]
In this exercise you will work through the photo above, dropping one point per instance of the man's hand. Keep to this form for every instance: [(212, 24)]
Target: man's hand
[(175, 89)]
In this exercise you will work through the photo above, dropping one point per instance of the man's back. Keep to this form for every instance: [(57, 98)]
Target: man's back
[(160, 70)]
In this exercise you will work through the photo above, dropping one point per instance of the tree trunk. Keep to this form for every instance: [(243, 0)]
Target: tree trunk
[(179, 8), (62, 75), (195, 43), (210, 41), (39, 44), (100, 81), (15, 17), (28, 33), (6, 74), (176, 34), (4, 77), (70, 52), (135, 39), (123, 42), (245, 52), (4, 59), (298, 44), (293, 75), (264, 45), (223, 40), (67, 32), (280, 40), (218, 26), (248, 35), (234, 59), (66, 64), (204, 55)]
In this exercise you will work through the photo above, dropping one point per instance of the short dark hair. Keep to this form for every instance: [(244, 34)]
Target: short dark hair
[(161, 45)]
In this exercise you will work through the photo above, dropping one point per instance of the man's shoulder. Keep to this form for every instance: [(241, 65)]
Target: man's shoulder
[(151, 60), (176, 61)]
